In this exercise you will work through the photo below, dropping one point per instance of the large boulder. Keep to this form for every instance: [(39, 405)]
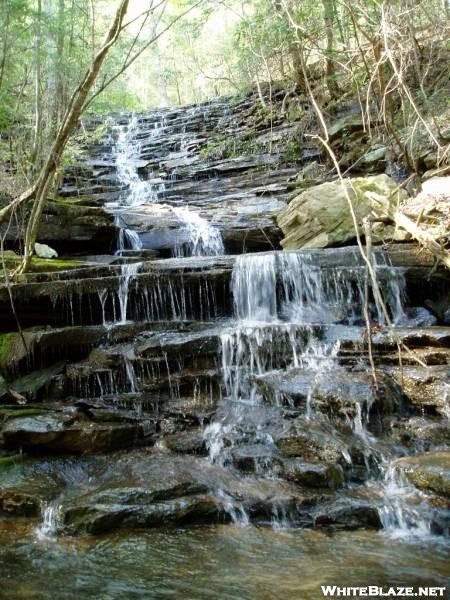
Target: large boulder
[(320, 216)]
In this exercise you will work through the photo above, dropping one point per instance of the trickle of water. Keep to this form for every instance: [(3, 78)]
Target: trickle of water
[(51, 514), (235, 510), (280, 520), (254, 288), (128, 273), (128, 239), (203, 238), (405, 512), (131, 375)]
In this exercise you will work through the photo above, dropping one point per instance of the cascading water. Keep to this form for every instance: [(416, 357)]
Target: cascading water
[(199, 238), (404, 511), (282, 303), (48, 528), (128, 274), (127, 152)]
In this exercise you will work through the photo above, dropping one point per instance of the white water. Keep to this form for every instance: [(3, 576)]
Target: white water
[(51, 514), (404, 512), (128, 274), (199, 237), (203, 239), (277, 299), (127, 152)]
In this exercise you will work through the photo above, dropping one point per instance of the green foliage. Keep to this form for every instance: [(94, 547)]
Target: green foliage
[(293, 150), (8, 342), (229, 147)]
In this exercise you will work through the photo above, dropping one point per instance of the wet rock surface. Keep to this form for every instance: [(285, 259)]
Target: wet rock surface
[(172, 378), (430, 472), (67, 433)]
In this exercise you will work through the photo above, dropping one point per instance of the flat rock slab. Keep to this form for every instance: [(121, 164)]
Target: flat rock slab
[(67, 433), (339, 389)]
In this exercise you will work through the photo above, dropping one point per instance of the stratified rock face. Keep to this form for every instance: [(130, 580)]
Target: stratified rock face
[(321, 217), (67, 433)]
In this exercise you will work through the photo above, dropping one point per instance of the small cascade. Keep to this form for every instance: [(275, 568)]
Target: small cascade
[(253, 283), (128, 274), (197, 236), (235, 510), (203, 239), (128, 239), (404, 512), (51, 513), (314, 294), (127, 151)]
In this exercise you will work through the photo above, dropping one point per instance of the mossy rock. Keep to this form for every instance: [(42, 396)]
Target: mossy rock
[(41, 265), (320, 216), (11, 351), (429, 472), (9, 461), (13, 412)]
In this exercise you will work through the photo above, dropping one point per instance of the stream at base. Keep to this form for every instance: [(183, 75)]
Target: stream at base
[(226, 562)]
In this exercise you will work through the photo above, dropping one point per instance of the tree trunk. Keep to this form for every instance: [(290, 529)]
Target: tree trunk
[(37, 137), (45, 179), (5, 35), (298, 66), (330, 71), (59, 65)]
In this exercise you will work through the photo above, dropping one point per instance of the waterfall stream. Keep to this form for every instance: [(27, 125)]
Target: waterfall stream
[(197, 375), (281, 305), (197, 236)]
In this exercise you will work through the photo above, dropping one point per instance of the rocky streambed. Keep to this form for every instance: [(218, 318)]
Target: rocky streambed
[(186, 378)]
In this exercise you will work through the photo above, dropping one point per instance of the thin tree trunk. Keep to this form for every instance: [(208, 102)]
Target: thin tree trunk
[(37, 138), (45, 179), (330, 71), (59, 64), (5, 43), (298, 66)]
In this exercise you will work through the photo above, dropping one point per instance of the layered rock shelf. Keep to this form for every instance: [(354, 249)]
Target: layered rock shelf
[(185, 369)]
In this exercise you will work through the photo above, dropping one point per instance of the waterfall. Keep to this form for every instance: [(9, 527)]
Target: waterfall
[(277, 300), (404, 511), (281, 302), (204, 240), (128, 239), (51, 513), (128, 150), (128, 273), (199, 237), (253, 283)]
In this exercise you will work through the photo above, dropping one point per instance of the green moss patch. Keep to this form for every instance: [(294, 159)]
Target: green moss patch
[(10, 461), (10, 344)]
